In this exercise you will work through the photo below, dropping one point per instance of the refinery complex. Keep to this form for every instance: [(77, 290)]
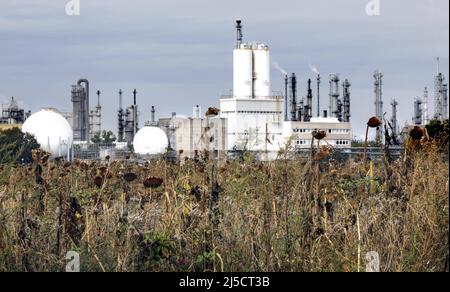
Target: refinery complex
[(253, 118)]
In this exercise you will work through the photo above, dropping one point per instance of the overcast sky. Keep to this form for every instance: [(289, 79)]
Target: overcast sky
[(179, 53)]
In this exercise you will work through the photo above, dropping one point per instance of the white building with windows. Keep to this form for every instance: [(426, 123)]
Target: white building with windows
[(339, 135)]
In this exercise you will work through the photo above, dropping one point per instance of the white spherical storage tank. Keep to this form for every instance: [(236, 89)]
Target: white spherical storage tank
[(51, 130), (150, 141), (243, 72), (262, 71)]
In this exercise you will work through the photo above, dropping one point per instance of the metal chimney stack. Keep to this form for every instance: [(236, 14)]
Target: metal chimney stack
[(318, 95), (120, 119), (80, 102), (239, 33), (135, 113), (308, 108), (301, 110), (196, 113), (334, 95), (98, 114), (152, 117), (346, 96), (378, 76), (417, 119), (286, 97), (426, 112), (394, 121), (293, 97)]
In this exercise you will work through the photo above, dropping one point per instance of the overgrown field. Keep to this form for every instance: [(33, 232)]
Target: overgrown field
[(295, 214)]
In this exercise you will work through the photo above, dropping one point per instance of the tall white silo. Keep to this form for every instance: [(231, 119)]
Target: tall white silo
[(243, 71), (262, 71)]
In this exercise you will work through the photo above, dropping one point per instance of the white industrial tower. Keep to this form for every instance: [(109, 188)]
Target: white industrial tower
[(441, 95), (394, 121), (425, 117), (379, 103), (418, 111), (253, 115), (334, 95), (95, 119)]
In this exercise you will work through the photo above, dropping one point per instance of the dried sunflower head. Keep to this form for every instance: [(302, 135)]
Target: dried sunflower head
[(374, 122), (416, 133), (98, 180), (153, 182), (130, 176), (319, 134)]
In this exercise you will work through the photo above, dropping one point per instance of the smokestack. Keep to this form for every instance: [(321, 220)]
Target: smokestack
[(346, 85), (293, 97), (378, 76), (334, 95), (417, 111), (286, 86), (239, 33), (438, 66), (394, 121), (85, 136), (318, 95), (135, 114), (308, 110), (301, 110), (153, 115), (120, 119), (98, 113), (196, 112), (98, 98)]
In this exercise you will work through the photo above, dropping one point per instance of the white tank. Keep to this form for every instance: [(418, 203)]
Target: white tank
[(52, 132), (262, 71), (243, 72), (150, 141)]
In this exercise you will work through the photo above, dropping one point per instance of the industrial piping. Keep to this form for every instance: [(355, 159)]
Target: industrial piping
[(86, 108)]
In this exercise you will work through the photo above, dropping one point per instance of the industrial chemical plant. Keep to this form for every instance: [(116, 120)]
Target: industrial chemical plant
[(254, 118)]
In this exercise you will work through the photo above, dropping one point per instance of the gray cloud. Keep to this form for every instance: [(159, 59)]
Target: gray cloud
[(178, 53)]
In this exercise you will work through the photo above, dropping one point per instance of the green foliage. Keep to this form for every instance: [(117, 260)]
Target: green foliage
[(439, 131), (205, 262), (435, 129), (16, 147), (154, 247), (106, 138), (360, 143)]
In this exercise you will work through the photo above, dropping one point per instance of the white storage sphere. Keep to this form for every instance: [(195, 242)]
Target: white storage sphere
[(150, 141), (51, 130)]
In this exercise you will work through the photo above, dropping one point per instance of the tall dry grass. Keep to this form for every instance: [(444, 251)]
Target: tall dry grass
[(289, 215)]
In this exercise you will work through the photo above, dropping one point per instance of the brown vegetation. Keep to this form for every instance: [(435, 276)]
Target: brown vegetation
[(289, 215)]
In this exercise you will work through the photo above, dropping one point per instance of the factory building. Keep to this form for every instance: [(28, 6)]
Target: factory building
[(12, 115), (189, 137), (338, 134), (253, 118), (254, 115)]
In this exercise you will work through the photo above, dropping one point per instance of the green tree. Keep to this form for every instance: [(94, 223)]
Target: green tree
[(108, 137), (16, 147), (104, 138), (435, 129)]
